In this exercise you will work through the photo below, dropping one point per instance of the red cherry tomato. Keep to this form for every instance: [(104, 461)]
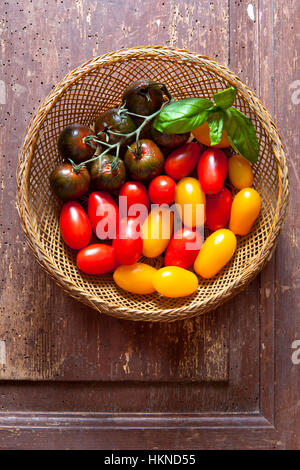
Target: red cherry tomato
[(183, 248), (212, 170), (182, 161), (128, 243), (136, 193), (97, 259), (218, 208), (103, 213), (162, 190), (75, 226)]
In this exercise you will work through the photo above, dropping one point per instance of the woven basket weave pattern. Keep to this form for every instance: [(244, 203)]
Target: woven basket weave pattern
[(82, 95)]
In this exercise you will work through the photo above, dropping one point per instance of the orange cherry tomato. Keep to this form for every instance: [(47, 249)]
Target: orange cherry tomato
[(202, 135), (135, 278), (216, 251), (245, 209), (240, 172), (174, 281)]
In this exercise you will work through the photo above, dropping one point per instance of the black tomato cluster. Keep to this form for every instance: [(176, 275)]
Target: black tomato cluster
[(122, 145)]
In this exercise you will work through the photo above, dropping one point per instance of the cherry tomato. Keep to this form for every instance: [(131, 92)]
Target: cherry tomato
[(218, 207), (169, 141), (183, 248), (75, 226), (128, 243), (143, 97), (202, 135), (191, 202), (111, 123), (182, 161), (173, 281), (144, 161), (136, 278), (212, 170), (71, 143), (162, 190), (103, 213), (245, 209), (107, 173), (136, 195), (157, 231), (216, 251), (68, 184), (240, 172), (97, 259)]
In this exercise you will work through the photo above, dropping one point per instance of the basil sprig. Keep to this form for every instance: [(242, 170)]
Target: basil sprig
[(186, 115), (183, 116)]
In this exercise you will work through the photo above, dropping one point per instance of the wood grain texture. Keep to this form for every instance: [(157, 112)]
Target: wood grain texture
[(234, 360), (48, 335)]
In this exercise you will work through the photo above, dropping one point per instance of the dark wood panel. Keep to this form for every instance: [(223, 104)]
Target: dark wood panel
[(132, 431)]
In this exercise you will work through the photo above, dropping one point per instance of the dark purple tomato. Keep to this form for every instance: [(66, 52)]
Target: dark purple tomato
[(170, 141), (144, 161), (111, 122), (108, 173), (143, 97), (71, 143), (67, 184)]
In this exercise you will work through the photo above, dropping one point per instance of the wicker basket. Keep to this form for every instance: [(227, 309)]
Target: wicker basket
[(80, 97)]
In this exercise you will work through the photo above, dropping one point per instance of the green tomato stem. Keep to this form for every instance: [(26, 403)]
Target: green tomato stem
[(92, 139)]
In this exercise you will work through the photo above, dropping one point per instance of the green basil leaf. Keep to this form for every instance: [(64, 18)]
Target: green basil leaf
[(215, 123), (241, 134), (182, 116), (225, 99)]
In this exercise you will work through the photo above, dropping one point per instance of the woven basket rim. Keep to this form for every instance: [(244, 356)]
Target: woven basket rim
[(31, 137)]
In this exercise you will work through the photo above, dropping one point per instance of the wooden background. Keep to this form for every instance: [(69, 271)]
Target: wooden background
[(57, 355)]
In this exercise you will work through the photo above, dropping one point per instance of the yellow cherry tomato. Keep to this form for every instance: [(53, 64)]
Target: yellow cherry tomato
[(202, 135), (216, 251), (240, 172), (157, 231), (174, 281), (136, 278), (244, 211), (191, 201)]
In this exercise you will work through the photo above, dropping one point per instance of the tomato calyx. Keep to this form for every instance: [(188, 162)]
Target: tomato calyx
[(137, 151)]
